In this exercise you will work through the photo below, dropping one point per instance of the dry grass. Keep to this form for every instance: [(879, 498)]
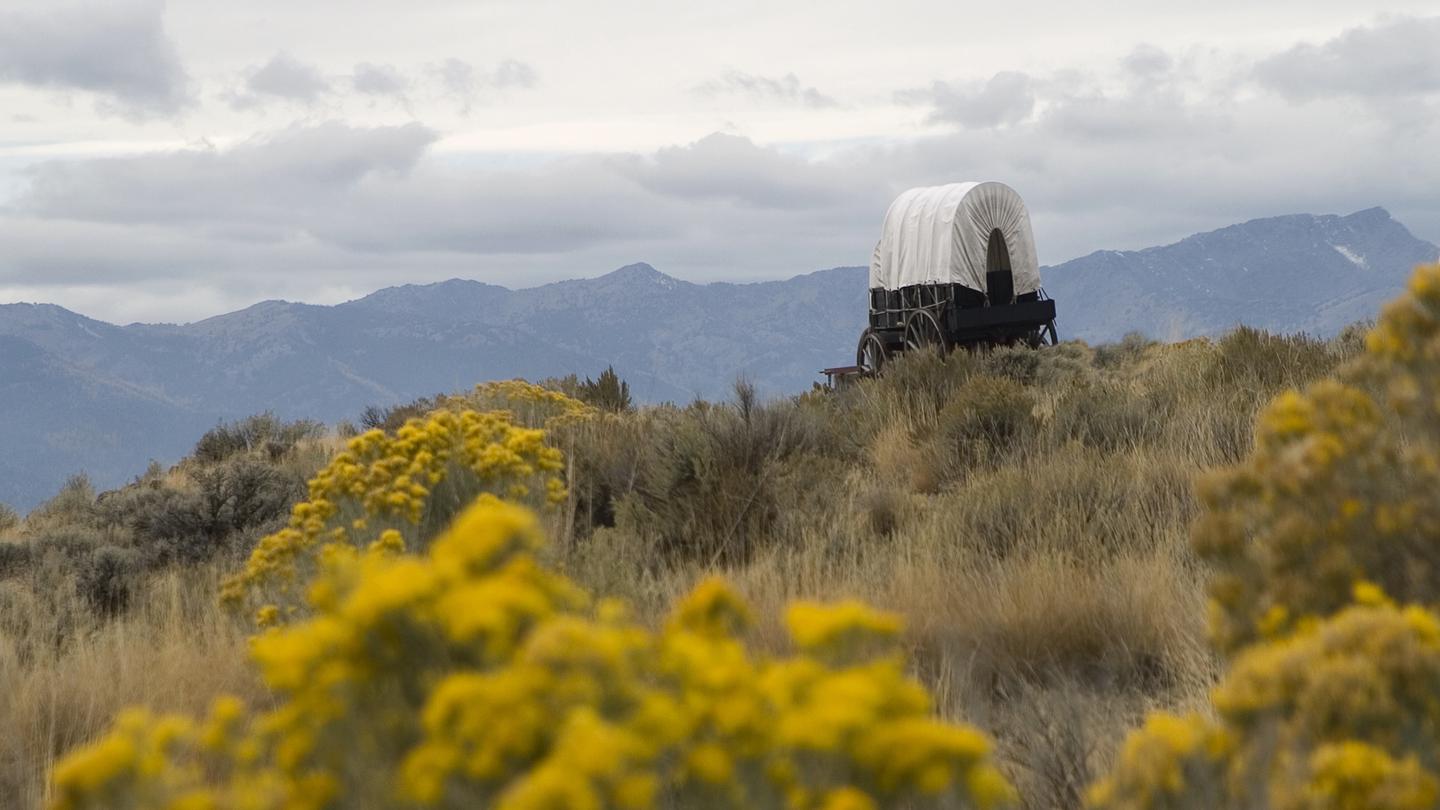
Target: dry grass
[(1042, 563), (1040, 559), (173, 651)]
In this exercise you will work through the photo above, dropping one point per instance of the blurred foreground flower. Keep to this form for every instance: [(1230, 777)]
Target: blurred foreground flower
[(467, 674), (1332, 697)]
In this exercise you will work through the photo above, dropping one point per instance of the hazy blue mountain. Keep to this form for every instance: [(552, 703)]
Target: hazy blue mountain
[(1300, 273), (80, 394), (57, 419)]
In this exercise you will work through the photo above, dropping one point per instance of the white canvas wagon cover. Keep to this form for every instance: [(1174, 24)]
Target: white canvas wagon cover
[(941, 235)]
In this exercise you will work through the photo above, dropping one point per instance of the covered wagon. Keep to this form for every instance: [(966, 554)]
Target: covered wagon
[(955, 266)]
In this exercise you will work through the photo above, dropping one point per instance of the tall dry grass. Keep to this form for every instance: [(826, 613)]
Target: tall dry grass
[(1026, 512), (174, 649)]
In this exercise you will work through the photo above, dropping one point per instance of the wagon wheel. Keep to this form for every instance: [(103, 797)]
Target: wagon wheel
[(922, 331), (870, 356), (1043, 335)]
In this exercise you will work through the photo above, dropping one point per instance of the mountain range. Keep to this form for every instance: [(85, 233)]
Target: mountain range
[(81, 394)]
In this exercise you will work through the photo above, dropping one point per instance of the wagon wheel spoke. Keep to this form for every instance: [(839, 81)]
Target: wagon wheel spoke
[(923, 331), (871, 354)]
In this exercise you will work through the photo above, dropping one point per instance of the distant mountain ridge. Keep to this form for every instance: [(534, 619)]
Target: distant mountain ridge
[(1297, 273), (81, 394)]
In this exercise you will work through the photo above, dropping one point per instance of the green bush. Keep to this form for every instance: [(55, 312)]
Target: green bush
[(1018, 363), (393, 417), (245, 493), (1131, 348), (263, 432), (1064, 364), (919, 384), (1074, 501), (882, 508), (985, 420), (74, 504), (1350, 342), (14, 558), (1255, 361), (609, 392), (603, 459), (66, 545), (108, 578), (709, 488), (192, 525), (1106, 414)]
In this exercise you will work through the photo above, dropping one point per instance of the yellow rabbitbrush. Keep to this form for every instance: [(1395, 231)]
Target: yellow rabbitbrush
[(469, 675), (396, 491), (1332, 695), (1341, 486)]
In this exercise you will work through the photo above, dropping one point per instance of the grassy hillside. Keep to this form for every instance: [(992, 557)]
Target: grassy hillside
[(1026, 513)]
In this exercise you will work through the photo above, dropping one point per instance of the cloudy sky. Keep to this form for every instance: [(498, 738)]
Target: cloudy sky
[(170, 161)]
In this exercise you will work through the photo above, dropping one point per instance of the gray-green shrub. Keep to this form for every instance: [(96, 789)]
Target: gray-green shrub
[(107, 578), (264, 432)]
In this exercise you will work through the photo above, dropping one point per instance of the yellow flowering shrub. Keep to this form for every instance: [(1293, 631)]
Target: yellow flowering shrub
[(1332, 695), (1342, 714), (395, 493), (467, 674), (1339, 489), (529, 404), (1176, 763)]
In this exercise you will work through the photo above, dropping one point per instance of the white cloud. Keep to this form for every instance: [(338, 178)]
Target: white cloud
[(786, 89)]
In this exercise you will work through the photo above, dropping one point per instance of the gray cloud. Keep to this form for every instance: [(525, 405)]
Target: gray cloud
[(1144, 100), (1129, 119), (282, 78), (1152, 147), (467, 84), (338, 207), (352, 188), (286, 79), (1149, 105), (259, 186), (458, 76), (331, 203), (379, 80), (513, 74), (1148, 62), (1395, 58), (1004, 99), (786, 89), (119, 51), (730, 167), (307, 212)]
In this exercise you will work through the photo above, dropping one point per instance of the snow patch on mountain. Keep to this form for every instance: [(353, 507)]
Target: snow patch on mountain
[(1355, 258)]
